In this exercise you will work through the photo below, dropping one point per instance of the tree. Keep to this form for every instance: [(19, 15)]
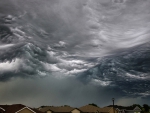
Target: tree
[(93, 104), (66, 106), (134, 105), (146, 107)]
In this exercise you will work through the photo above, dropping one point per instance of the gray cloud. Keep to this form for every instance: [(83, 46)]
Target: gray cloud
[(65, 38), (52, 91), (73, 22)]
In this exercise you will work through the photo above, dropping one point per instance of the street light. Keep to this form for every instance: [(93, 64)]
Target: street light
[(113, 99)]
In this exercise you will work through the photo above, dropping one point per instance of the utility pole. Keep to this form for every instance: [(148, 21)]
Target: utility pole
[(113, 99)]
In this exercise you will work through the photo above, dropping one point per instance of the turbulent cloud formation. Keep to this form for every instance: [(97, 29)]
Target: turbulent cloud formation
[(102, 44), (58, 92)]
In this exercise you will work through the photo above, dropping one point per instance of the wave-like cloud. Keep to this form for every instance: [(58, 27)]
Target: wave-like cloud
[(71, 38)]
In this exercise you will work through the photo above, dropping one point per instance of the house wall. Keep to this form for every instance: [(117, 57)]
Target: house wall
[(49, 112), (75, 111), (1, 111), (113, 110), (129, 112), (137, 111), (132, 112), (25, 111)]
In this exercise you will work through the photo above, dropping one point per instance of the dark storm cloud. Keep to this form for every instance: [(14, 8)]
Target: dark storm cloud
[(76, 28), (126, 72), (73, 21), (52, 91), (63, 38), (66, 91), (49, 91)]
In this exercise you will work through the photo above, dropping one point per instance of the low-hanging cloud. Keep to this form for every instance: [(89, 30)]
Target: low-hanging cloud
[(57, 39), (52, 91)]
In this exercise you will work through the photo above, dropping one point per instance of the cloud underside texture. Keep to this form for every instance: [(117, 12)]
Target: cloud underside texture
[(51, 91), (103, 44)]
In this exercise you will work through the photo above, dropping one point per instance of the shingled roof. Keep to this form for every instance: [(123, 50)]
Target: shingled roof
[(89, 108), (105, 109), (125, 107), (4, 107), (15, 108), (57, 109)]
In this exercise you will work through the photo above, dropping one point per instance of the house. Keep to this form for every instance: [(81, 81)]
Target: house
[(108, 110), (133, 110), (61, 109), (130, 109), (89, 109), (84, 109), (17, 108)]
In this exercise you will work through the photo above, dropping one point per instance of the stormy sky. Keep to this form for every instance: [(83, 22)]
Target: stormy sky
[(74, 52)]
